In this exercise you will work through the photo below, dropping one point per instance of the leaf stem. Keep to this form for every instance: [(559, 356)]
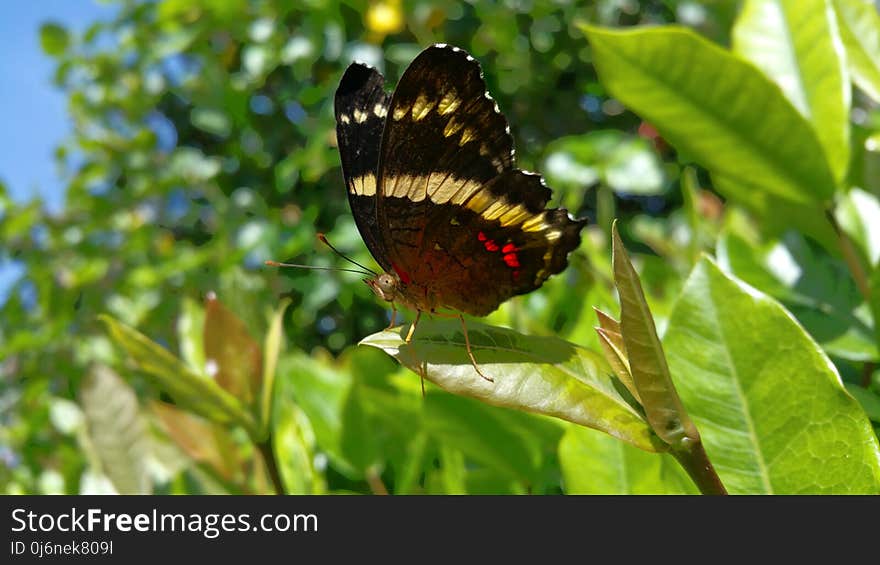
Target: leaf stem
[(689, 188), (857, 270), (375, 482), (693, 458), (851, 257), (604, 207), (867, 371), (265, 448)]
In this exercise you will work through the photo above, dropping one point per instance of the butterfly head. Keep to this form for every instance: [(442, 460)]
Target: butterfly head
[(386, 286)]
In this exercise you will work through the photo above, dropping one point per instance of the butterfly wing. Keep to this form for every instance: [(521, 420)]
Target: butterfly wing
[(503, 243), (443, 138), (455, 214), (361, 105)]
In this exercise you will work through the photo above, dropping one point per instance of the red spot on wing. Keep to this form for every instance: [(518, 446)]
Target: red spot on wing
[(481, 236), (404, 276), (509, 248), (512, 260), (491, 246)]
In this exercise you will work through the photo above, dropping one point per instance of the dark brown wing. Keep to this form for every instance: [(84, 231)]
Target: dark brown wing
[(501, 243), (444, 138), (361, 106), (457, 218)]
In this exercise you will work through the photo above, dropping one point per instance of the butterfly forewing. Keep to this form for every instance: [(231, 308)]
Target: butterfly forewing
[(442, 123), (361, 105), (444, 138)]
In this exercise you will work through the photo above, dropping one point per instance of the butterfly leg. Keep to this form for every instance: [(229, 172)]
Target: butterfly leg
[(424, 366), (393, 317), (467, 344), (412, 327)]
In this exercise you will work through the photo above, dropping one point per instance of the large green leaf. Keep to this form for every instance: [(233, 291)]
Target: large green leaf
[(321, 392), (116, 429), (770, 406), (544, 375), (816, 288), (189, 389), (333, 403), (594, 463), (860, 30), (508, 442), (715, 107), (797, 45)]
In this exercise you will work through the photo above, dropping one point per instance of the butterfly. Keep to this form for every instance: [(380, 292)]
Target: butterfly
[(435, 192)]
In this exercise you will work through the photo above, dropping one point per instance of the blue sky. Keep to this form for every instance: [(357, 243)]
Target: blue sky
[(32, 112)]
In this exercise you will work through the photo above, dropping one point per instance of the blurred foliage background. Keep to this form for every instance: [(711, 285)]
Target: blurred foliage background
[(204, 145)]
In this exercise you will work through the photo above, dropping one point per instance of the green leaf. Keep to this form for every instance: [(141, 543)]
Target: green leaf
[(647, 362), (858, 213), (544, 375), (815, 287), (116, 429), (797, 45), (453, 472), (869, 400), (358, 439), (860, 31), (233, 353), (294, 454), (625, 163), (593, 463), (271, 350), (189, 389), (190, 334), (773, 414), (715, 107), (407, 476), (690, 193), (778, 215), (321, 392), (211, 120), (54, 39), (496, 438), (293, 443)]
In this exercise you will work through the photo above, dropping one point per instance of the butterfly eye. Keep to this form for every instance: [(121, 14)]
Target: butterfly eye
[(384, 286), (388, 284)]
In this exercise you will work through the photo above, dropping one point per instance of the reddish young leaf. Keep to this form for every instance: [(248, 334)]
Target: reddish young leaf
[(232, 356)]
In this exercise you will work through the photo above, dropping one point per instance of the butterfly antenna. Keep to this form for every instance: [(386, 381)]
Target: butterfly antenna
[(314, 267), (323, 239)]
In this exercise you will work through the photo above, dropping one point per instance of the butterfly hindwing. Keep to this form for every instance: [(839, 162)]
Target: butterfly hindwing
[(361, 105), (504, 244)]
